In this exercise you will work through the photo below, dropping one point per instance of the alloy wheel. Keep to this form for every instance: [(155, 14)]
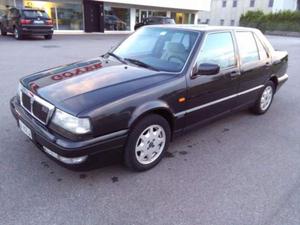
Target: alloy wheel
[(16, 33), (266, 98), (150, 144)]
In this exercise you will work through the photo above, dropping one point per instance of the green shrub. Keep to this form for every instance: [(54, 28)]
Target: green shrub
[(280, 21)]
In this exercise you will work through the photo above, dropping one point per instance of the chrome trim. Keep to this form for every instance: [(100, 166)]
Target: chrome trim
[(70, 161), (283, 78), (217, 101), (81, 144), (33, 97)]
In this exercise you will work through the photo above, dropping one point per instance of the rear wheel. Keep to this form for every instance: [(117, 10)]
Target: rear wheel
[(17, 34), (147, 143), (48, 37), (2, 30), (265, 99)]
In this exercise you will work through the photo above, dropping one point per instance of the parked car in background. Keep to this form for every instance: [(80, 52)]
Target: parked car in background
[(112, 22), (26, 22), (154, 20), (159, 82)]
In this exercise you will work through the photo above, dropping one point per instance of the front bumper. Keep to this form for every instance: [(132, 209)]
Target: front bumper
[(62, 148)]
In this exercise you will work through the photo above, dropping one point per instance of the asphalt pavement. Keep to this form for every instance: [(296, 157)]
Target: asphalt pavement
[(240, 170)]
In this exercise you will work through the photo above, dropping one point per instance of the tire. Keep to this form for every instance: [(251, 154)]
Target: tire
[(2, 30), (17, 34), (48, 37), (147, 142), (265, 99)]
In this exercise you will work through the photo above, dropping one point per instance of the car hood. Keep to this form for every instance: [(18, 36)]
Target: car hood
[(83, 85)]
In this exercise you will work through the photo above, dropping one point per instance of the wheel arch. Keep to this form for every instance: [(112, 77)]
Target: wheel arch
[(274, 79), (157, 107)]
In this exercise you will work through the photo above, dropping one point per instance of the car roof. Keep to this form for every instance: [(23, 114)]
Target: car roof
[(32, 9), (159, 17), (203, 27)]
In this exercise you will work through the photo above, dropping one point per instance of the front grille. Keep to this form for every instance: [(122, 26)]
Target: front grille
[(40, 111), (26, 101), (37, 107)]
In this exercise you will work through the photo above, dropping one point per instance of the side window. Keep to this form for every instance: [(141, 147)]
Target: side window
[(218, 49), (247, 47), (261, 49)]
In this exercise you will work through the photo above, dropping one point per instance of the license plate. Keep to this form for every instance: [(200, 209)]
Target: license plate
[(38, 22), (25, 129)]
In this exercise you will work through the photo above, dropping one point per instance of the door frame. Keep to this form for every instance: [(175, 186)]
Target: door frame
[(191, 108)]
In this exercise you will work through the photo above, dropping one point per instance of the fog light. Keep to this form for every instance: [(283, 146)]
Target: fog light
[(76, 160)]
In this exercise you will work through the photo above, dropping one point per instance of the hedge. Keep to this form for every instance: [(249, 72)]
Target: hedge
[(280, 21)]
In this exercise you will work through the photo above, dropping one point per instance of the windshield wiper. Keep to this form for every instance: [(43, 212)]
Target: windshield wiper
[(116, 56), (140, 63)]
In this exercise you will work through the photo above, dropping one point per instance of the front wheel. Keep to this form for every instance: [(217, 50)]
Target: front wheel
[(265, 99), (147, 143), (2, 30)]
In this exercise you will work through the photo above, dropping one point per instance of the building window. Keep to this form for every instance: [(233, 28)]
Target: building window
[(271, 3), (199, 21), (207, 21), (222, 22), (234, 3), (143, 14), (65, 16), (232, 22), (183, 18), (224, 4), (116, 18), (252, 3)]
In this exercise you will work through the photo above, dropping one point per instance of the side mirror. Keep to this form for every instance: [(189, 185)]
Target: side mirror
[(206, 69)]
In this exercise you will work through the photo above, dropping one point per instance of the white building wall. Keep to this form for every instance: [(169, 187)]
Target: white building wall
[(229, 13), (193, 5)]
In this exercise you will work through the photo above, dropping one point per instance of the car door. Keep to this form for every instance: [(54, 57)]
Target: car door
[(255, 66), (212, 95)]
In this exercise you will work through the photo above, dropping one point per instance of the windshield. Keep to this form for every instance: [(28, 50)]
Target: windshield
[(164, 49), (35, 14)]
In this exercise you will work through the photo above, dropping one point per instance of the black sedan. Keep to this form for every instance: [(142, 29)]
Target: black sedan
[(159, 82)]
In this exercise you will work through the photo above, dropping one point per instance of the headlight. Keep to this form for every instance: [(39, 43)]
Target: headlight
[(71, 123)]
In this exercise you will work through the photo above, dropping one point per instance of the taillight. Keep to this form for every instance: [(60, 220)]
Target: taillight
[(24, 22), (49, 22)]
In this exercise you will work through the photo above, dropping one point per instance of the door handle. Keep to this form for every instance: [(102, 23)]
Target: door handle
[(268, 64), (234, 74)]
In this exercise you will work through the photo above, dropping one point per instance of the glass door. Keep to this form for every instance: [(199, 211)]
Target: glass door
[(144, 14)]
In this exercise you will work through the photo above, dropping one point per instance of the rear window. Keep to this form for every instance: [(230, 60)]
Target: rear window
[(35, 14), (169, 21)]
